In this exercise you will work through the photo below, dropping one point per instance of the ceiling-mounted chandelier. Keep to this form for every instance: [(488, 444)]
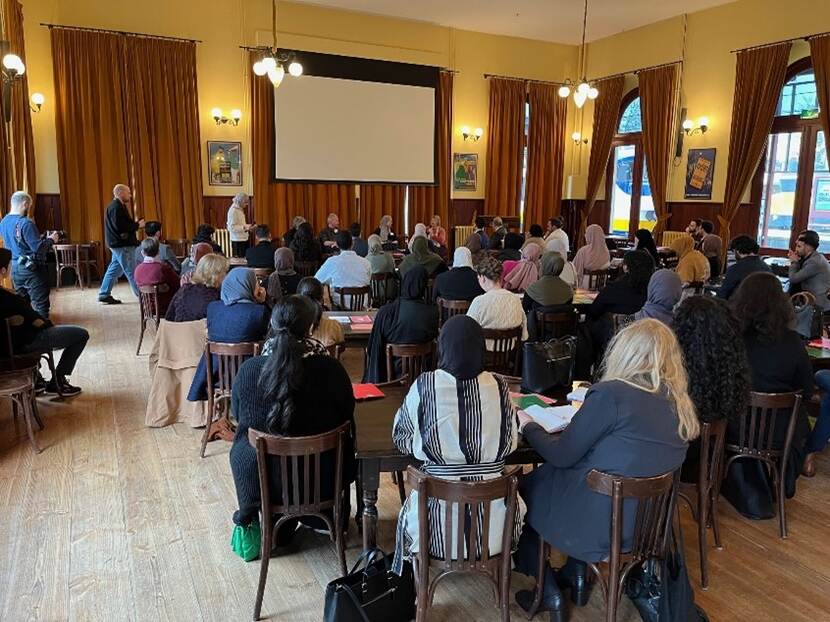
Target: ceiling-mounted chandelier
[(275, 63), (584, 90)]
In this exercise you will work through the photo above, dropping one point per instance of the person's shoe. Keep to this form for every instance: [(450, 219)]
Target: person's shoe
[(109, 300), (552, 600), (66, 389), (40, 385), (574, 576), (809, 467)]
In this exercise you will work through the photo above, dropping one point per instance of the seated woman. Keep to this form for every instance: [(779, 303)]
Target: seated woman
[(280, 394), (715, 358), (525, 273), (636, 422), (197, 251), (593, 256), (407, 319), (644, 241), (380, 260), (283, 281), (778, 363), (497, 307), (325, 330), (627, 294), (663, 294), (438, 409), (191, 301), (535, 235), (560, 247), (437, 234), (512, 247), (461, 282), (289, 235), (305, 245), (385, 233), (239, 317), (692, 265), (204, 234), (550, 290), (422, 256)]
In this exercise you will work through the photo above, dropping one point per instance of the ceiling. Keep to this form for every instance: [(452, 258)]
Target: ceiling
[(548, 20)]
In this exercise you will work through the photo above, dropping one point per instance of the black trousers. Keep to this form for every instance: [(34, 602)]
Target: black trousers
[(238, 248)]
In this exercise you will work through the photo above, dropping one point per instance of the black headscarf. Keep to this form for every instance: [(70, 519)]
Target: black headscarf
[(645, 242), (461, 348), (512, 247), (414, 283)]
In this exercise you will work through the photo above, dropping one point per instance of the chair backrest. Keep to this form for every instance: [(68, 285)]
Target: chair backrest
[(262, 275), (597, 279), (67, 254), (620, 321), (429, 292), (148, 299), (757, 425), (556, 324), (712, 439), (229, 358), (449, 308), (306, 268), (299, 461), (468, 508), (415, 358), (380, 288), (335, 350), (180, 247), (802, 299), (504, 347), (356, 298)]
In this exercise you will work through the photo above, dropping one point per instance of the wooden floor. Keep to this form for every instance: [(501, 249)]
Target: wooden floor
[(116, 521)]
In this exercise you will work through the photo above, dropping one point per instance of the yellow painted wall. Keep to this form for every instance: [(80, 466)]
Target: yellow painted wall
[(223, 25)]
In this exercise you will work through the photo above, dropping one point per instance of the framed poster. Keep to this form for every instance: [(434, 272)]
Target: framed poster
[(224, 163), (700, 170), (464, 171)]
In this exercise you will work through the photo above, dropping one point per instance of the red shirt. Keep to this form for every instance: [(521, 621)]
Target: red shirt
[(161, 274)]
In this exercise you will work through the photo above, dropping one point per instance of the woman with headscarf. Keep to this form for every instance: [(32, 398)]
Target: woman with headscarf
[(422, 256), (525, 272), (593, 256), (549, 290), (384, 231), (283, 281), (408, 319), (692, 265), (459, 422), (197, 251), (239, 317), (664, 290), (380, 260), (512, 247), (559, 246), (420, 231), (645, 242), (237, 224), (461, 282), (473, 243)]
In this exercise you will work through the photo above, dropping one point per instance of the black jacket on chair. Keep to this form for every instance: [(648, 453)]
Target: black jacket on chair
[(260, 256)]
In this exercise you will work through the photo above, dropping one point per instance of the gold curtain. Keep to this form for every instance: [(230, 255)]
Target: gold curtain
[(820, 53), (378, 200), (162, 118), (505, 138), (89, 119), (325, 199), (658, 105), (606, 114), (758, 82), (426, 201), (545, 153)]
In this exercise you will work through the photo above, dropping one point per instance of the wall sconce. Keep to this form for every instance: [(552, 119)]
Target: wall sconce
[(578, 139), (702, 126), (37, 102), (473, 135), (11, 73), (221, 119)]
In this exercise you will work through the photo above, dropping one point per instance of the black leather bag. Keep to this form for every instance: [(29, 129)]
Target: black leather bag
[(808, 321), (548, 364), (372, 594)]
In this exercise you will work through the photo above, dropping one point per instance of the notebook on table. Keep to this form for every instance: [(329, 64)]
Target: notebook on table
[(523, 401), (553, 418), (367, 392)]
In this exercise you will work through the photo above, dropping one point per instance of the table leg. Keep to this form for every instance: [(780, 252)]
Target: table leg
[(370, 480)]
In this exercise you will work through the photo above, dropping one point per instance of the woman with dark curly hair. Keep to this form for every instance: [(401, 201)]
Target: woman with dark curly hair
[(305, 245), (778, 363), (715, 358)]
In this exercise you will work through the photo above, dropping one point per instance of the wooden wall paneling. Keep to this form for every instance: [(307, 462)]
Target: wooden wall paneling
[(48, 212), (462, 210)]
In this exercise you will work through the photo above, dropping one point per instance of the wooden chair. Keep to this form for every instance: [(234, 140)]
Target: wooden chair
[(262, 275), (466, 550), (556, 324), (756, 440), (620, 321), (68, 257), (180, 247), (148, 303), (504, 347), (336, 350), (597, 279), (89, 259), (17, 382), (306, 268), (415, 358), (229, 358), (429, 292), (449, 308), (380, 288), (303, 454), (358, 297), (802, 299)]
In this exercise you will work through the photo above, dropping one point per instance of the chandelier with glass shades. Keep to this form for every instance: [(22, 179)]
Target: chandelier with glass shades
[(275, 63), (584, 90)]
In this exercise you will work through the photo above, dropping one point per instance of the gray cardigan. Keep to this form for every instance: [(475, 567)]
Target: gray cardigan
[(812, 275)]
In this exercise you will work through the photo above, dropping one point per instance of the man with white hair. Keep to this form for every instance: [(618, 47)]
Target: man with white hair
[(238, 226), (21, 236), (119, 230)]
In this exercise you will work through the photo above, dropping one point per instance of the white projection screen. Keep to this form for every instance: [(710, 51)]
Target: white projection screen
[(355, 120)]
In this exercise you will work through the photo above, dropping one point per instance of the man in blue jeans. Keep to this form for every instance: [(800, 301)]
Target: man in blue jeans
[(119, 230)]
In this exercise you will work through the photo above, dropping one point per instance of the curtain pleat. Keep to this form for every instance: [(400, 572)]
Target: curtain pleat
[(545, 153), (759, 79), (378, 200), (658, 105), (820, 54), (606, 114), (505, 140)]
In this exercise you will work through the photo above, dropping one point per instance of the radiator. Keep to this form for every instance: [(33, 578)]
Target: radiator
[(462, 232), (223, 238)]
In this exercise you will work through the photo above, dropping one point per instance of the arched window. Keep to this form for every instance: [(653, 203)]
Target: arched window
[(627, 187), (792, 185)]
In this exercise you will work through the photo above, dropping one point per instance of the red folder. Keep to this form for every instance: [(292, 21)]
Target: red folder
[(361, 319), (367, 392)]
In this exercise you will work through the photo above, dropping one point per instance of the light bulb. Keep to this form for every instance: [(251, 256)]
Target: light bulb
[(703, 121), (465, 130), (688, 124), (269, 62), (579, 99), (479, 132), (295, 69), (260, 69), (38, 99), (236, 114), (576, 136), (276, 75), (564, 90), (593, 92), (216, 113), (12, 61), (583, 88)]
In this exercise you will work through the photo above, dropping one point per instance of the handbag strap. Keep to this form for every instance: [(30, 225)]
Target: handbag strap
[(368, 556)]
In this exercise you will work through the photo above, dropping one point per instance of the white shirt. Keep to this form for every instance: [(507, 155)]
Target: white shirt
[(236, 224), (348, 269), (560, 235), (499, 309)]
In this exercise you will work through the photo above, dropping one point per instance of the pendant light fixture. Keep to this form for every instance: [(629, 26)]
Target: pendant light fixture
[(275, 64), (584, 90)]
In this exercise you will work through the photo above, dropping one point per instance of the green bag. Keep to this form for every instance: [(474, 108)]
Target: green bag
[(245, 541)]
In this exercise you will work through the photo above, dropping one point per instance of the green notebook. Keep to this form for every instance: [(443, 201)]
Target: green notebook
[(524, 401)]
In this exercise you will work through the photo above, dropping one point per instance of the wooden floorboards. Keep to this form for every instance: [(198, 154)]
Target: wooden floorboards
[(116, 521)]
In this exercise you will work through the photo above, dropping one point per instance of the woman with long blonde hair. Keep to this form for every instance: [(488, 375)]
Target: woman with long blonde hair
[(636, 421)]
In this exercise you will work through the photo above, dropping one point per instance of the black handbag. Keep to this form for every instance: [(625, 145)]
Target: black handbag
[(548, 364), (373, 593), (808, 321)]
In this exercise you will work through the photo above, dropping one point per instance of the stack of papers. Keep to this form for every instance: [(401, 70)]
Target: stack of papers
[(578, 394), (552, 419), (343, 319)]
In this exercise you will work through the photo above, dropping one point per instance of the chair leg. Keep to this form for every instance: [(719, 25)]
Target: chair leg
[(264, 558), (504, 587), (401, 489), (713, 515), (782, 514), (540, 578), (35, 412), (701, 542), (206, 434), (25, 407), (422, 593), (140, 337), (340, 544)]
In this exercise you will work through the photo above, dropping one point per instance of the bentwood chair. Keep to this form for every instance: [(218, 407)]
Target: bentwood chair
[(68, 257), (466, 547), (300, 459), (414, 358), (504, 348), (597, 279), (223, 360), (89, 259), (429, 292), (380, 285), (180, 248), (148, 303), (449, 308), (552, 324), (356, 298), (802, 299), (702, 496), (757, 425), (17, 382)]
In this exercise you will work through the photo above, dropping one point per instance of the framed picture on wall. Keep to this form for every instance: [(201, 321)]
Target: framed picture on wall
[(224, 163), (700, 170), (464, 171)]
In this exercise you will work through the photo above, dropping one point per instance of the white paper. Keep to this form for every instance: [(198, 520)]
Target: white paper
[(343, 319), (578, 394), (552, 419)]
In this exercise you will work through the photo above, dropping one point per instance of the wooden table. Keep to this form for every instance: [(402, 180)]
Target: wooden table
[(584, 297), (819, 357), (354, 338)]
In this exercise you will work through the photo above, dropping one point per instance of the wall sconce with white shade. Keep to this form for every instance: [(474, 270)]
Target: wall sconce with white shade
[(473, 135), (37, 102), (578, 139), (221, 119), (702, 126), (12, 70)]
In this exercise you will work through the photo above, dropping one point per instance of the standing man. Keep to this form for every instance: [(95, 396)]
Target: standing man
[(328, 236), (152, 229), (28, 248), (238, 225), (556, 232), (119, 229), (809, 270)]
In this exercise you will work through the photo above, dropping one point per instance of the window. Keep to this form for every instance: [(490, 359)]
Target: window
[(627, 187), (792, 186)]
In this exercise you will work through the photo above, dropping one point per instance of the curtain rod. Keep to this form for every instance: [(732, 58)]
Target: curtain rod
[(265, 48), (636, 71), (119, 32), (493, 75), (790, 40)]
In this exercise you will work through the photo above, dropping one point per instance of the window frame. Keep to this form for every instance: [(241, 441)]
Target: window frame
[(634, 139)]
